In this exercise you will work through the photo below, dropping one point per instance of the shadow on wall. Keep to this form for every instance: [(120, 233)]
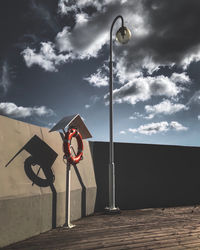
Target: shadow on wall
[(83, 193), (44, 156)]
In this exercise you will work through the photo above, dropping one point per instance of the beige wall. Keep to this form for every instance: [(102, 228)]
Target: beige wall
[(27, 209)]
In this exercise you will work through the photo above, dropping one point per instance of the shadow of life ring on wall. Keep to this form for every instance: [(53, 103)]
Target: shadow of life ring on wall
[(29, 164), (72, 132)]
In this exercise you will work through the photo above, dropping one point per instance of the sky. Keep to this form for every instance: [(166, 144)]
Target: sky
[(54, 58)]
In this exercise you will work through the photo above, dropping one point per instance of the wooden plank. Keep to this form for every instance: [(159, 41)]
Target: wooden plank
[(169, 228)]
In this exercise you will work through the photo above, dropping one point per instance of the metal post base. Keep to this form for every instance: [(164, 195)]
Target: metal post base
[(66, 225), (112, 210)]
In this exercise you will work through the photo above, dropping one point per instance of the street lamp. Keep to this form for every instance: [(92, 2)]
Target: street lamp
[(123, 35)]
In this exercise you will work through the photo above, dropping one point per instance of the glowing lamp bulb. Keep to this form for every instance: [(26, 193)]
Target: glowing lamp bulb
[(123, 35)]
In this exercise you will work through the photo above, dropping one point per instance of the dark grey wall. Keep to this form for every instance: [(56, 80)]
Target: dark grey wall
[(148, 175)]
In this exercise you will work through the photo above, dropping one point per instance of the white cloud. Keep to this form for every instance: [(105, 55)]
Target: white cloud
[(180, 78), (83, 42), (132, 117), (177, 126), (158, 127), (97, 79), (11, 109), (89, 32), (135, 116), (5, 77), (94, 99), (151, 128), (45, 58), (198, 117), (122, 72), (65, 6), (195, 98), (143, 88), (81, 18), (190, 57), (122, 132), (51, 124), (165, 108)]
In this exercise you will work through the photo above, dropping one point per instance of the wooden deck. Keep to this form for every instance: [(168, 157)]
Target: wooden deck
[(169, 228)]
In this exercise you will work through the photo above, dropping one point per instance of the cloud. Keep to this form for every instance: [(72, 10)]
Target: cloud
[(180, 78), (11, 109), (83, 42), (43, 14), (191, 57), (122, 132), (132, 117), (98, 79), (143, 88), (162, 34), (166, 107), (46, 58), (66, 6), (195, 99), (5, 78), (158, 127), (135, 116), (81, 18), (177, 126), (51, 124), (86, 35), (172, 35), (92, 100)]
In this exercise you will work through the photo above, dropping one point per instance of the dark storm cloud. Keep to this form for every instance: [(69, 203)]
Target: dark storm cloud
[(26, 23), (172, 33), (88, 36), (175, 27), (45, 15), (163, 32)]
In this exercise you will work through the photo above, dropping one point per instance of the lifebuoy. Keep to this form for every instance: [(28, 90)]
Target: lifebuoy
[(72, 132)]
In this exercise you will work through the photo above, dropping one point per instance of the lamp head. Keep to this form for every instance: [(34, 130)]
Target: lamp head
[(123, 35)]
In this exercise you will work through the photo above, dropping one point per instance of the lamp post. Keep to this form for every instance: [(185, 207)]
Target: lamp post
[(123, 35)]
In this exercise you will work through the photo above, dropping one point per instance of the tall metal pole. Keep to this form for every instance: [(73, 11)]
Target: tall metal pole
[(112, 207)]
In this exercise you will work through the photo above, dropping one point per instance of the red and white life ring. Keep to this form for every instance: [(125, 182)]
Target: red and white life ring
[(72, 132)]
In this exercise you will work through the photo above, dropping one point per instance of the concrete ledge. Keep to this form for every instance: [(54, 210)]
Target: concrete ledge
[(25, 217)]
